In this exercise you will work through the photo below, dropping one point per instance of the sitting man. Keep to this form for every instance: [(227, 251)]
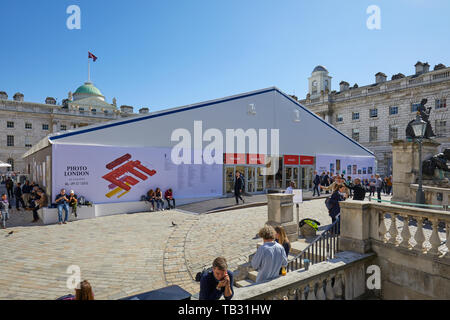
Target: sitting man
[(73, 201), (169, 196), (270, 257), (62, 202), (40, 202), (217, 282)]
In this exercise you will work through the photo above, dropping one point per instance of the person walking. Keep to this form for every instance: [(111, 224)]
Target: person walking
[(270, 257), (9, 189), (389, 185), (316, 183), (18, 195), (372, 185), (218, 282), (378, 186), (62, 202), (238, 187), (4, 210)]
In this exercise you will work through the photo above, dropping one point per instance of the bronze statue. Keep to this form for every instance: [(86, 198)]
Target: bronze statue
[(438, 161), (425, 115)]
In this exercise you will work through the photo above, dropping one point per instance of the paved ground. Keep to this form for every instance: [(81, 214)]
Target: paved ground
[(127, 254)]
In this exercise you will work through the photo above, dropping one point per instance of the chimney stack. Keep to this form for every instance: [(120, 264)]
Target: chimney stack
[(126, 109), (380, 77), (143, 110), (344, 86)]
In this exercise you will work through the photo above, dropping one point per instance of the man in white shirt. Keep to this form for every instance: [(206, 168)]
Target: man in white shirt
[(290, 189), (269, 257)]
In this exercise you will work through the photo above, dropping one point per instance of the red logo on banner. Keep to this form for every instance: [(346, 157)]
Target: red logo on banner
[(255, 159), (291, 160), (119, 178), (235, 158), (307, 160)]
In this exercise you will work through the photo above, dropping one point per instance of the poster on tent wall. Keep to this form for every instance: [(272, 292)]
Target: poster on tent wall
[(354, 166), (104, 174)]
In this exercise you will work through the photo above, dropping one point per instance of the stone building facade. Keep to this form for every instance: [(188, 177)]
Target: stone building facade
[(23, 124), (377, 114)]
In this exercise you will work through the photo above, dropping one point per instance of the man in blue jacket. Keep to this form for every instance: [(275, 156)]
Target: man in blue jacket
[(217, 282)]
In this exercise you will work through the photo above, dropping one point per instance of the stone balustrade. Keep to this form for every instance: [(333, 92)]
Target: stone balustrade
[(341, 278), (433, 195)]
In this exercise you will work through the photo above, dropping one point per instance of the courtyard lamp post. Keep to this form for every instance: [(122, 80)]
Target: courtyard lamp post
[(419, 126)]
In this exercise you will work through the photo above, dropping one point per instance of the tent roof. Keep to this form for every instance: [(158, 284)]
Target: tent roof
[(52, 138)]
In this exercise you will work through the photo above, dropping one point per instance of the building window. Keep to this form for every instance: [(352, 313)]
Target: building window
[(441, 128), (314, 87), (393, 110), (355, 134), (94, 111), (10, 124), (81, 110), (355, 115), (326, 84), (373, 134), (10, 141), (373, 113), (63, 127), (441, 103), (11, 162), (339, 118), (28, 125), (415, 107), (44, 126), (393, 133), (27, 142)]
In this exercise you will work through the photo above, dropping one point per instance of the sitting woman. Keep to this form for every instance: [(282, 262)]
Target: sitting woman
[(168, 195), (151, 198), (84, 293), (158, 199)]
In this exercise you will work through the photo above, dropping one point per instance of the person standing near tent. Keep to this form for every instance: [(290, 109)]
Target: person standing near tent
[(63, 203), (238, 186), (9, 189), (316, 182), (18, 195), (4, 213)]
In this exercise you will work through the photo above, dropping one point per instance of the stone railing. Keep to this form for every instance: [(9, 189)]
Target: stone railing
[(411, 246), (433, 195), (341, 278)]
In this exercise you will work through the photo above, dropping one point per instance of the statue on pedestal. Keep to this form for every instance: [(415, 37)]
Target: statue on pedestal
[(425, 115)]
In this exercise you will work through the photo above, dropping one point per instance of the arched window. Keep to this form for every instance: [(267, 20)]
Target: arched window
[(314, 87), (11, 162), (326, 84)]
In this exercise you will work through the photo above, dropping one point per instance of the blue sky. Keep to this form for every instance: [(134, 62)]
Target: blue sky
[(161, 54)]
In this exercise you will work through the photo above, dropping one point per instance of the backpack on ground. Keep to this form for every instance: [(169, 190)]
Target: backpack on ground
[(200, 274), (311, 222)]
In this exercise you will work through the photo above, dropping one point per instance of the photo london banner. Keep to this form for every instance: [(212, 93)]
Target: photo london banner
[(354, 166), (104, 174)]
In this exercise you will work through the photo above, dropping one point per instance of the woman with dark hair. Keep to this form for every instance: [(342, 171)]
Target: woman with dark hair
[(85, 292), (151, 198), (158, 199), (336, 197)]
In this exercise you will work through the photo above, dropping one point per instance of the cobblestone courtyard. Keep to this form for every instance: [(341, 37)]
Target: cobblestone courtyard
[(126, 254)]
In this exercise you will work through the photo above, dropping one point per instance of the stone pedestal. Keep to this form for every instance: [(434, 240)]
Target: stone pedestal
[(405, 166), (357, 221), (280, 208)]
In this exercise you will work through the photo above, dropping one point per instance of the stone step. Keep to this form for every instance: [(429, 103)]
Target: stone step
[(252, 275), (243, 283)]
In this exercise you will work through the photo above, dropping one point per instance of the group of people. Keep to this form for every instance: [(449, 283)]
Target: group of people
[(64, 202), (270, 261), (30, 196), (325, 181), (155, 197)]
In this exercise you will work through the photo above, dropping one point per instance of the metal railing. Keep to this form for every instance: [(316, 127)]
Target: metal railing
[(324, 247)]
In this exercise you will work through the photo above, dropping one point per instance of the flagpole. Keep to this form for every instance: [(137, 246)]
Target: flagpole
[(89, 72)]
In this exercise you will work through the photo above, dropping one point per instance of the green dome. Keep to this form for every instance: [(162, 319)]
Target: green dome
[(88, 88)]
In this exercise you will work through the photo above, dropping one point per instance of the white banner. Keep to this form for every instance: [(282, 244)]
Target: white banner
[(117, 174), (356, 167)]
